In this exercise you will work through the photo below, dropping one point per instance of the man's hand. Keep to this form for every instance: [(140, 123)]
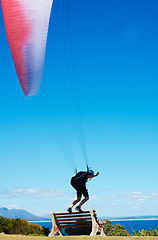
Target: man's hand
[(92, 176), (97, 174)]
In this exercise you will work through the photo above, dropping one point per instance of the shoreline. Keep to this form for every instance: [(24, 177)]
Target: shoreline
[(113, 220), (40, 221), (134, 219)]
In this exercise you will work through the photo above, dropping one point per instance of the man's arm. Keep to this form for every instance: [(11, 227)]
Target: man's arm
[(92, 176)]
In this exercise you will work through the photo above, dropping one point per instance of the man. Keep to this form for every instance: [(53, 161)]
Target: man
[(79, 184)]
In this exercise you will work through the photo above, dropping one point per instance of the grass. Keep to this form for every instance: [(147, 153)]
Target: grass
[(20, 237)]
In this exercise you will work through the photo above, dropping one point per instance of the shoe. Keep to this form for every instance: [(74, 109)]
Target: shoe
[(78, 209), (69, 210)]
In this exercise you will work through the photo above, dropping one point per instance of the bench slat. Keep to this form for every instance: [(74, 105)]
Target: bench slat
[(69, 215), (70, 222), (75, 224), (73, 216), (73, 219), (84, 212), (68, 226)]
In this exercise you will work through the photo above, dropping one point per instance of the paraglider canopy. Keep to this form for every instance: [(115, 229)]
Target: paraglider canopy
[(26, 24)]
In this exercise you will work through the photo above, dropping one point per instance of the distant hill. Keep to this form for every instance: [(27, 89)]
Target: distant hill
[(19, 213)]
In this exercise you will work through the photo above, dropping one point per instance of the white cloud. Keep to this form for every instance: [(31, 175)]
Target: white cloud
[(31, 192), (134, 200), (133, 196), (109, 204), (93, 197), (112, 197), (138, 196), (154, 195), (138, 193), (114, 204), (13, 206)]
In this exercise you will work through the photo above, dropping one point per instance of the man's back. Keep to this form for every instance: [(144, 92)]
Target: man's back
[(81, 177)]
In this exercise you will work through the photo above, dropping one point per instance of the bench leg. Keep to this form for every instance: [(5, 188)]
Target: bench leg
[(95, 227), (55, 229), (102, 232), (96, 230)]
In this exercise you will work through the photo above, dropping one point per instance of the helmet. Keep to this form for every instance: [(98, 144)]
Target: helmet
[(91, 172)]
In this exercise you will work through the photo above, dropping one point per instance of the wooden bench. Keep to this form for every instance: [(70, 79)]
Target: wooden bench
[(77, 219)]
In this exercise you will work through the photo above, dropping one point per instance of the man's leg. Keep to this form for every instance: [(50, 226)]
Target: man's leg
[(76, 201), (83, 201), (85, 194)]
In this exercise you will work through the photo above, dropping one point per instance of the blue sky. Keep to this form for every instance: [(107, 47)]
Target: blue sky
[(110, 48)]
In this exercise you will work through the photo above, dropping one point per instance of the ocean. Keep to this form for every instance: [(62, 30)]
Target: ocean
[(129, 224), (137, 224)]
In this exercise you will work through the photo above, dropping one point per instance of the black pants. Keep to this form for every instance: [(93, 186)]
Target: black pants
[(79, 187)]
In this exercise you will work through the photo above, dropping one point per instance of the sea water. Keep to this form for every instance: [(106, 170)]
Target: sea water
[(137, 224), (129, 224)]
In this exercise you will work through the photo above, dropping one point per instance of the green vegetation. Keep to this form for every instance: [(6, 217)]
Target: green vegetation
[(21, 226), (115, 230), (145, 232)]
